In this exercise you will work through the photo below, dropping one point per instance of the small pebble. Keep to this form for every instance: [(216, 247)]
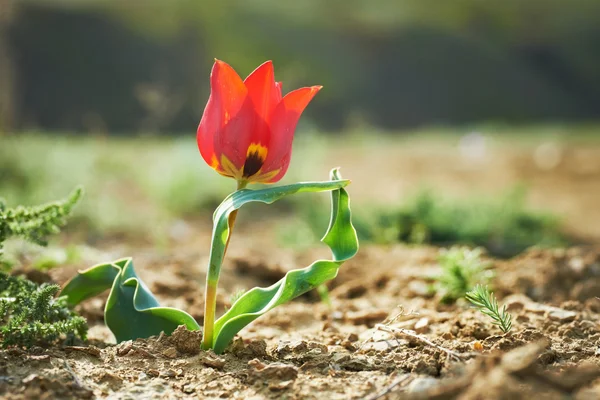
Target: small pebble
[(153, 372)]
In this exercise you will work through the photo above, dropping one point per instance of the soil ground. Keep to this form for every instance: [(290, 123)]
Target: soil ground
[(386, 335)]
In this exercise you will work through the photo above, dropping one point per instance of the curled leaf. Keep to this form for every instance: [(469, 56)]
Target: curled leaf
[(131, 310)]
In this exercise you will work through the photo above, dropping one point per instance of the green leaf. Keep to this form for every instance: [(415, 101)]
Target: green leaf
[(131, 310), (340, 237)]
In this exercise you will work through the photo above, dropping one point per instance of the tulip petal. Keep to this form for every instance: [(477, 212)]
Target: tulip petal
[(223, 128), (262, 90), (278, 85), (283, 125)]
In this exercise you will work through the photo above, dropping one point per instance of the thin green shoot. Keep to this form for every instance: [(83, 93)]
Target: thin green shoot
[(486, 302)]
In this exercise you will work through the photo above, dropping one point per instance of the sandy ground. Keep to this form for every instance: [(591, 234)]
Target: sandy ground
[(386, 336)]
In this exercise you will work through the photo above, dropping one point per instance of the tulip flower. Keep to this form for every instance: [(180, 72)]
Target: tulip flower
[(247, 128), (246, 133)]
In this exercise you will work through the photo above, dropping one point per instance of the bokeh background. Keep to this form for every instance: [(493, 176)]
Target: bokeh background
[(458, 121), (131, 66)]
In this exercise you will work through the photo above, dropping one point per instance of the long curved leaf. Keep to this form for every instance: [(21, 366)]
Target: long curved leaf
[(340, 237), (131, 310)]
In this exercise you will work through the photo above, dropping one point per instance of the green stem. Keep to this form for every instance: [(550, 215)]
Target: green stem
[(210, 292)]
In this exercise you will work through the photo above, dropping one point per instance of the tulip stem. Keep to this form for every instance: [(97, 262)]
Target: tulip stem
[(210, 293)]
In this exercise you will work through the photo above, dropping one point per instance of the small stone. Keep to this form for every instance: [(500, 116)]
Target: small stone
[(189, 389), (356, 364), (352, 337), (477, 346), (213, 361), (587, 324), (153, 372), (280, 385), (319, 347), (577, 264), (419, 289), (39, 358), (348, 345), (278, 371), (550, 312), (169, 373), (91, 350), (447, 335), (422, 384), (30, 378), (328, 326), (110, 378), (422, 325), (339, 357), (256, 364), (169, 352), (124, 348), (337, 315), (299, 346), (558, 314), (369, 317), (516, 302)]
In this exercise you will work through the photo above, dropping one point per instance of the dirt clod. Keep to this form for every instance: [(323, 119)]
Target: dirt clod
[(274, 371), (186, 341)]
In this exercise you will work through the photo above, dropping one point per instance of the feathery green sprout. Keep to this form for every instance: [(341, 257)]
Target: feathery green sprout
[(36, 223), (486, 302), (29, 314)]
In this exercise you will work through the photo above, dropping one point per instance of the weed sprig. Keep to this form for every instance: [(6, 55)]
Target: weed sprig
[(486, 302), (36, 223), (31, 315)]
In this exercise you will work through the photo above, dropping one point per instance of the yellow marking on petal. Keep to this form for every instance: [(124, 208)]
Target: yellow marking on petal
[(227, 117), (214, 162), (259, 150), (264, 178), (229, 169), (255, 157)]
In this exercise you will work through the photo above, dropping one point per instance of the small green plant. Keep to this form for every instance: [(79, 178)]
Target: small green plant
[(462, 269), (31, 315), (504, 226), (486, 302), (36, 223)]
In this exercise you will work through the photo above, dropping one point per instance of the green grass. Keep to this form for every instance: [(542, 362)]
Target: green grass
[(132, 186), (503, 226)]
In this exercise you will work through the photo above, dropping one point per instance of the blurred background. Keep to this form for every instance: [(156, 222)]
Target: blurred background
[(142, 66), (464, 121)]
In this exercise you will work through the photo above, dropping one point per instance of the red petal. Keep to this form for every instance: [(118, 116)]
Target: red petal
[(263, 92), (278, 86), (227, 116), (283, 125)]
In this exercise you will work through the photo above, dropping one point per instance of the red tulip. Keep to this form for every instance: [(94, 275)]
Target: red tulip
[(247, 128)]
